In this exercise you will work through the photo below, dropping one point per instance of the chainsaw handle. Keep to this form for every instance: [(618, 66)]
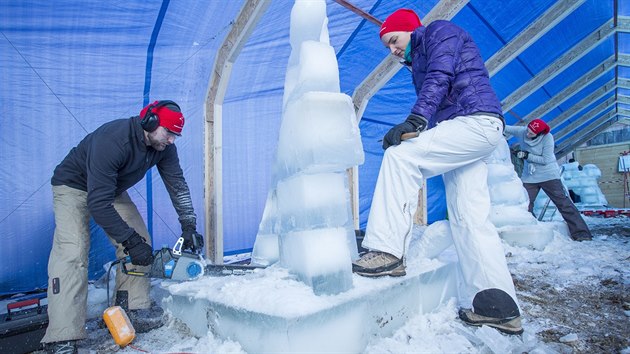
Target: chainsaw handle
[(126, 261), (407, 136)]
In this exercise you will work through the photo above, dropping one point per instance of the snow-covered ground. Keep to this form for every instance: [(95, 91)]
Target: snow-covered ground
[(574, 297)]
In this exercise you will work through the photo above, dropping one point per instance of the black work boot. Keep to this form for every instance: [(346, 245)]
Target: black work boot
[(145, 320)]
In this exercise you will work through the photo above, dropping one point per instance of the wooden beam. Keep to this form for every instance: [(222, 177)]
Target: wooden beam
[(623, 83), (244, 24), (623, 24), (623, 59), (360, 12), (420, 217), (608, 88), (559, 65), (585, 130), (531, 34), (623, 99), (586, 137), (585, 118), (595, 73)]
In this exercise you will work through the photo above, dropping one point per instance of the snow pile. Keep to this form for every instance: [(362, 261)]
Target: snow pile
[(562, 265)]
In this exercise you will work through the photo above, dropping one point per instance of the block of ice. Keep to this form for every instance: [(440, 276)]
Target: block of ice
[(494, 340), (529, 236), (266, 251), (317, 70), (433, 241), (509, 192), (320, 258), (512, 215), (319, 133), (313, 201), (308, 23), (269, 221), (270, 312)]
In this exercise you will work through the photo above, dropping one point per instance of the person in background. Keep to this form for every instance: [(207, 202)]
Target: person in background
[(458, 121), (541, 171), (575, 198), (92, 181)]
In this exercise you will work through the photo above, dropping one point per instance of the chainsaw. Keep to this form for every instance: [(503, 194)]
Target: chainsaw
[(182, 265)]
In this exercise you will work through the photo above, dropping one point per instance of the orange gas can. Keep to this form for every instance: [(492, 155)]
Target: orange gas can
[(119, 325)]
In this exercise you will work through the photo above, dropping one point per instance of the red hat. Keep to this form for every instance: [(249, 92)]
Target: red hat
[(400, 20), (169, 115), (538, 126)]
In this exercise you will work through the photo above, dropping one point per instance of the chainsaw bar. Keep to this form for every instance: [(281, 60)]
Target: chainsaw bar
[(229, 269)]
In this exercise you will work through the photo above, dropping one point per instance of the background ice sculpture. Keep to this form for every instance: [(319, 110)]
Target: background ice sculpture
[(581, 183), (307, 222)]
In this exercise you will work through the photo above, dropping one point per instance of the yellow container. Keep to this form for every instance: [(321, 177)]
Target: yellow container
[(119, 325)]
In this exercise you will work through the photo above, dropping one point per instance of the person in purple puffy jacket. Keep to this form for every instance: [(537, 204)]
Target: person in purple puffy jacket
[(455, 124)]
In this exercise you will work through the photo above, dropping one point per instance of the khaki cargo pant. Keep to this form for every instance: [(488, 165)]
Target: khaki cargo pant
[(68, 263)]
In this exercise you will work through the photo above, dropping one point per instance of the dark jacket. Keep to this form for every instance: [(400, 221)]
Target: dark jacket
[(111, 160), (449, 74)]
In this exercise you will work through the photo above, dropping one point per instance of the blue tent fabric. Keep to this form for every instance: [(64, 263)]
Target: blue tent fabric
[(67, 67)]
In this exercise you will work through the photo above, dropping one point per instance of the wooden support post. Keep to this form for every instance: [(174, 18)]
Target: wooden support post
[(420, 218)]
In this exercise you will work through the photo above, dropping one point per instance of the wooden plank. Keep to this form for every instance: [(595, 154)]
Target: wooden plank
[(244, 24), (536, 29), (420, 217), (598, 71), (606, 158), (559, 65)]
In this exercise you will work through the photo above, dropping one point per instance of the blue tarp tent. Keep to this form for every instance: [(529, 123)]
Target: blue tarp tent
[(67, 67)]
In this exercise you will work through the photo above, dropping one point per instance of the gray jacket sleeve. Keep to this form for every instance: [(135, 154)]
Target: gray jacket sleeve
[(515, 130), (177, 188)]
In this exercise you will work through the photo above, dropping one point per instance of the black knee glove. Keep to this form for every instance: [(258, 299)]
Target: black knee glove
[(138, 250), (413, 123)]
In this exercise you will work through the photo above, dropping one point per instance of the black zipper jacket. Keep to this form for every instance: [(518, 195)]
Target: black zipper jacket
[(111, 160)]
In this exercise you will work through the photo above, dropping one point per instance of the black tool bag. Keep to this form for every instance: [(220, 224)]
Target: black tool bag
[(23, 326)]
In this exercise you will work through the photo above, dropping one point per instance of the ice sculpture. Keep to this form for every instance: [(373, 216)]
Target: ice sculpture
[(307, 215), (509, 201), (581, 184)]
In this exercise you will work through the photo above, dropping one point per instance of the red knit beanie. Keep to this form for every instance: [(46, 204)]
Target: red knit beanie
[(400, 20), (538, 126), (169, 116)]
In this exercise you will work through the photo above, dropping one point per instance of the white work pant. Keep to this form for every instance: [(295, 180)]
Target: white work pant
[(68, 263), (456, 148)]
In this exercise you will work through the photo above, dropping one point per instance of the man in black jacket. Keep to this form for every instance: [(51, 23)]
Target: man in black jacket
[(92, 180)]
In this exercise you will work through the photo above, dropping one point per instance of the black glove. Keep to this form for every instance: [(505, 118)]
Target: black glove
[(414, 123), (192, 239), (138, 250), (522, 154)]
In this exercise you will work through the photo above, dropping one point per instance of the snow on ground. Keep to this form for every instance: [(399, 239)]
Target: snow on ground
[(574, 298)]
